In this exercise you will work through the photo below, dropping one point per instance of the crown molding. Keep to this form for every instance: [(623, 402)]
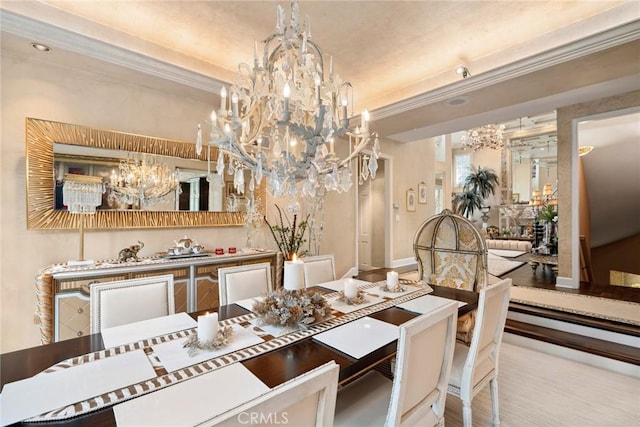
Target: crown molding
[(64, 39), (568, 52)]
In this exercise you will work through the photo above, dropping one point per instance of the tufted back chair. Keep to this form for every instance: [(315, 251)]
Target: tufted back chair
[(451, 252)]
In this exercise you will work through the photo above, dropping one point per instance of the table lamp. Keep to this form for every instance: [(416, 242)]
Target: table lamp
[(82, 194)]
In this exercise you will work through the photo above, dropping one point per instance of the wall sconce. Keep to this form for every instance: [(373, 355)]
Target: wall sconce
[(82, 194), (584, 150)]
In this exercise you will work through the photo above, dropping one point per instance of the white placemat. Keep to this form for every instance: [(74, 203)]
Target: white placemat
[(338, 285), (193, 401), (428, 303), (132, 332), (174, 356), (343, 307), (48, 391), (360, 337), (248, 303)]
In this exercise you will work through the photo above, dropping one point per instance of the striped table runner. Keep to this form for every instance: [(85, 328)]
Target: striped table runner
[(167, 379)]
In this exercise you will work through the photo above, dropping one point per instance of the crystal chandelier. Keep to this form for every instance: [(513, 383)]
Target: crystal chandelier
[(285, 117), (488, 136), (142, 182)]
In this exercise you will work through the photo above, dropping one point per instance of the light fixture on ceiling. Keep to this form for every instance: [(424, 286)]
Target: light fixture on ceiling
[(488, 136), (585, 149), (143, 182), (286, 116), (463, 71), (41, 47)]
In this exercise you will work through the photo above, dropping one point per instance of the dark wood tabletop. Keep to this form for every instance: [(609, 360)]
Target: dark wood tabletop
[(272, 368)]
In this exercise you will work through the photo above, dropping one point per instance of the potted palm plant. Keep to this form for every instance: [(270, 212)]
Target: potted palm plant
[(478, 185)]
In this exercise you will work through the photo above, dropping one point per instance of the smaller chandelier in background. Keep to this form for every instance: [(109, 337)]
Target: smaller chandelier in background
[(488, 136), (143, 182)]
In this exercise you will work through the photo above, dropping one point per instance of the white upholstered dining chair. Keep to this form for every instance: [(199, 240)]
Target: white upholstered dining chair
[(418, 392), (244, 281), (126, 301), (319, 269), (307, 400), (476, 365)]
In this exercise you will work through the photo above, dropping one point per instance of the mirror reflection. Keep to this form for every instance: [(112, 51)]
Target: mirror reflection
[(75, 142), (143, 182), (534, 165)]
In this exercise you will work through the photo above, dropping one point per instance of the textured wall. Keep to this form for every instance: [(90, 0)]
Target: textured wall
[(33, 87)]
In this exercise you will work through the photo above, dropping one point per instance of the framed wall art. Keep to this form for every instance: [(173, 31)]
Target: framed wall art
[(411, 200), (422, 193)]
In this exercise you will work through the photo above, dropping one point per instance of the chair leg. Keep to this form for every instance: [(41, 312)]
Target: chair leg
[(466, 414), (494, 401), (441, 422)]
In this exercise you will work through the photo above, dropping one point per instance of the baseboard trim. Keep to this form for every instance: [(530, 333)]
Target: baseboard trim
[(404, 262)]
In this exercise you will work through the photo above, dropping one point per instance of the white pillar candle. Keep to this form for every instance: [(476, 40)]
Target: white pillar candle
[(392, 279), (293, 275), (207, 327), (350, 288)]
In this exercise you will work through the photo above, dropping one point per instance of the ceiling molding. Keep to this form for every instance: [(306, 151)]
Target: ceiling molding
[(60, 38), (93, 48), (598, 42)]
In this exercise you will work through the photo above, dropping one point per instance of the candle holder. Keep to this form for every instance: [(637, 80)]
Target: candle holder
[(222, 339), (398, 289), (357, 300)]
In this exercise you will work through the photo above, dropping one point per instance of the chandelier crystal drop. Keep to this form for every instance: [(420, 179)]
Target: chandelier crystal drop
[(142, 181), (488, 136), (286, 115)]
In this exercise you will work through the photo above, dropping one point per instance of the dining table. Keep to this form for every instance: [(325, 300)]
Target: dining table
[(276, 360)]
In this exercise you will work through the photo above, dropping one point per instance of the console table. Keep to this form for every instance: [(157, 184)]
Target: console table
[(63, 291)]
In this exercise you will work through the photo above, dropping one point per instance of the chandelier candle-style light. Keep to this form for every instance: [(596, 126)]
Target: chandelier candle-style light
[(488, 136), (285, 116), (142, 182)]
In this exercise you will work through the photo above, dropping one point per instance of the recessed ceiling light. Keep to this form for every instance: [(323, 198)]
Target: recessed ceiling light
[(41, 47), (457, 101)]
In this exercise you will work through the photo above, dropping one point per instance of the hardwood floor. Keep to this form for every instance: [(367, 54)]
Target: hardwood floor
[(545, 279), (541, 278)]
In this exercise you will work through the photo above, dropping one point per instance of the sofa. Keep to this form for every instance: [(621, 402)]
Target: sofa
[(512, 245)]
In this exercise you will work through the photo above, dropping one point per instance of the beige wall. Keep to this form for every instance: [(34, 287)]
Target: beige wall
[(102, 96), (33, 87), (412, 163)]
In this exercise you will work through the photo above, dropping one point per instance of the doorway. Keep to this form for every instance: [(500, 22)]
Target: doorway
[(372, 223), (609, 195)]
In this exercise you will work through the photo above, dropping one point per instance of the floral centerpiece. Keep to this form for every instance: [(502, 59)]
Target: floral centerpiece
[(292, 308), (289, 235)]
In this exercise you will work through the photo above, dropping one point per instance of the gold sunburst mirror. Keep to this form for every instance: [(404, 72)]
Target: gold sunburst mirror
[(54, 148)]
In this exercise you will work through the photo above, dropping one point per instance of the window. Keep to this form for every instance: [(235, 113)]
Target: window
[(461, 168)]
